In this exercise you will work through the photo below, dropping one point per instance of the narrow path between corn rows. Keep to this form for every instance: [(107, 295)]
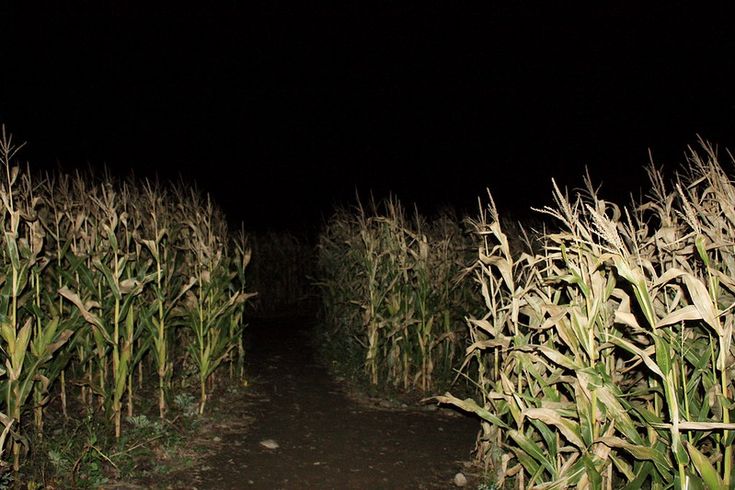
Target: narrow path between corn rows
[(325, 440)]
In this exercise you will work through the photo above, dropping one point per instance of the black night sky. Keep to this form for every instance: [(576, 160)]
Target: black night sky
[(281, 111)]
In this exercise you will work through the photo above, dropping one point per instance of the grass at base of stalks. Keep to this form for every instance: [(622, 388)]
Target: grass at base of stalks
[(82, 451)]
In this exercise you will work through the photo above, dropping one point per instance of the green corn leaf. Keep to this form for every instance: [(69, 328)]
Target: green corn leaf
[(618, 408), (584, 411), (641, 476), (12, 248), (114, 246), (22, 282), (112, 281), (8, 333), (593, 474), (622, 466), (638, 282), (121, 377), (548, 435), (663, 354), (21, 346), (532, 449), (700, 244), (48, 332), (529, 464), (704, 467)]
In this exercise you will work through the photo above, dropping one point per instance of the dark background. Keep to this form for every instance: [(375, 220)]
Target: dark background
[(282, 111)]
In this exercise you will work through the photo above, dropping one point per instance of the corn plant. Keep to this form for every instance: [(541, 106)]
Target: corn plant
[(604, 360), (240, 261), (167, 288), (210, 304), (26, 354)]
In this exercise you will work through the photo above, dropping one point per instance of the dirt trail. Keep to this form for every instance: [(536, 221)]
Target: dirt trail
[(326, 440)]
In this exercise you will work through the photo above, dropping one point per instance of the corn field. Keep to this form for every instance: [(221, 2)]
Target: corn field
[(603, 359), (607, 361), (390, 296), (109, 288)]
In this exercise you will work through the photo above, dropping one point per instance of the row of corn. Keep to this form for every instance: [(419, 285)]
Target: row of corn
[(103, 285), (604, 360), (388, 286), (607, 360)]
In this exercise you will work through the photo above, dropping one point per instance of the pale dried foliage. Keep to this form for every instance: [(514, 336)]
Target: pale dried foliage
[(607, 360)]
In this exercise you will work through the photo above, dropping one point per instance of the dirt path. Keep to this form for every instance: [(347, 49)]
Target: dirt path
[(326, 440)]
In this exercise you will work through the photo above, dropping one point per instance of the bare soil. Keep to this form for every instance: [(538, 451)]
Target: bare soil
[(326, 438)]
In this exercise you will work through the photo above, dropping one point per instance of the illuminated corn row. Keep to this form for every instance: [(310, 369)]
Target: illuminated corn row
[(102, 281), (607, 360)]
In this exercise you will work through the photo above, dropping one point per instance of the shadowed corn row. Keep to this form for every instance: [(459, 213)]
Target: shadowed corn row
[(607, 360), (389, 293), (102, 282)]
